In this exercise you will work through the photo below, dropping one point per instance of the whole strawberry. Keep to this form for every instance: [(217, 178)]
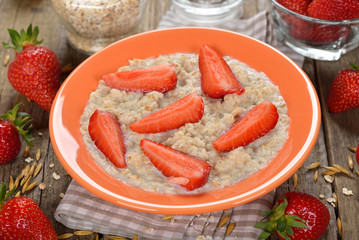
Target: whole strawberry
[(22, 218), (334, 9), (36, 70), (298, 6), (295, 216), (11, 125), (344, 92)]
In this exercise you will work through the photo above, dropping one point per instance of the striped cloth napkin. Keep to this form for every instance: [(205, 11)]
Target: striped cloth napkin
[(79, 209)]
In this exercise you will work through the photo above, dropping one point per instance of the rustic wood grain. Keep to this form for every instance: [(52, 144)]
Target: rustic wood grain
[(338, 131)]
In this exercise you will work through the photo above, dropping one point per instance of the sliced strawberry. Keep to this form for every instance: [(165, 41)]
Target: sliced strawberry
[(106, 133), (217, 78), (186, 170), (161, 78), (186, 110), (255, 124)]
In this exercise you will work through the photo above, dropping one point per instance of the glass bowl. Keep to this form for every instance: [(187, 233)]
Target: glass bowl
[(314, 38), (93, 24)]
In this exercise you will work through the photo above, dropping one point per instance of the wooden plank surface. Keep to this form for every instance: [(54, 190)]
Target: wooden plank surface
[(337, 133)]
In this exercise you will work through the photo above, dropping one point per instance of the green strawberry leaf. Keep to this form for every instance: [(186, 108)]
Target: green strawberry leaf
[(2, 192), (281, 224), (264, 235), (261, 225), (284, 235), (22, 38), (22, 122), (356, 67)]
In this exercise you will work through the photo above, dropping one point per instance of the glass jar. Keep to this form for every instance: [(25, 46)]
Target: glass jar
[(208, 12), (315, 38), (93, 24)]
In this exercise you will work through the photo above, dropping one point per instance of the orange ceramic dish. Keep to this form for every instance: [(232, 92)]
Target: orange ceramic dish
[(294, 86)]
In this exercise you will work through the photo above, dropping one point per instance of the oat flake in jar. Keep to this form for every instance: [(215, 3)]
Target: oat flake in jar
[(94, 24)]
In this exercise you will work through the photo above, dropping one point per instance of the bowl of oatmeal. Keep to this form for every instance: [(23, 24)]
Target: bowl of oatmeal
[(237, 176)]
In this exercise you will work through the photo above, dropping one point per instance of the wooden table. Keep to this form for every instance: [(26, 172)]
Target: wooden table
[(337, 133)]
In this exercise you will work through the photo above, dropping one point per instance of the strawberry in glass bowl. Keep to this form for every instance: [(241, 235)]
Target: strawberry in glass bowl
[(319, 29)]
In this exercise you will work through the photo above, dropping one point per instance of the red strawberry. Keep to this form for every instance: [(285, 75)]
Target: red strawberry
[(106, 133), (186, 170), (21, 218), (14, 124), (315, 32), (357, 154), (295, 216), (254, 124), (217, 78), (344, 92), (186, 110), (36, 70), (298, 6), (161, 78), (334, 9)]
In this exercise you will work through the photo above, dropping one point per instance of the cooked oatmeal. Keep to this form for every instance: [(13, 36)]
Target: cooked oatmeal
[(193, 138)]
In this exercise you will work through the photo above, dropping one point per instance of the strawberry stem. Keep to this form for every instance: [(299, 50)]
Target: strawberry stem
[(21, 121), (22, 39), (5, 195), (356, 67)]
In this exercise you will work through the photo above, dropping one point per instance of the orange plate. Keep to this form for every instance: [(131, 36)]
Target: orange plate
[(294, 85)]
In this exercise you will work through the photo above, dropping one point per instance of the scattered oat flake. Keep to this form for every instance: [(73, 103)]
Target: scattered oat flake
[(11, 183), (339, 226), (150, 229), (29, 159), (347, 192), (42, 186), (313, 165), (37, 170), (62, 195), (352, 149), (329, 178), (26, 150), (32, 185), (329, 173), (230, 228), (330, 168), (295, 179), (6, 59), (222, 222), (198, 215), (65, 235), (167, 217), (343, 170), (350, 162), (315, 178), (38, 154), (51, 165), (56, 176), (83, 233), (117, 238), (357, 172), (67, 68), (135, 237), (18, 194), (334, 195), (321, 196), (40, 134), (200, 237)]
